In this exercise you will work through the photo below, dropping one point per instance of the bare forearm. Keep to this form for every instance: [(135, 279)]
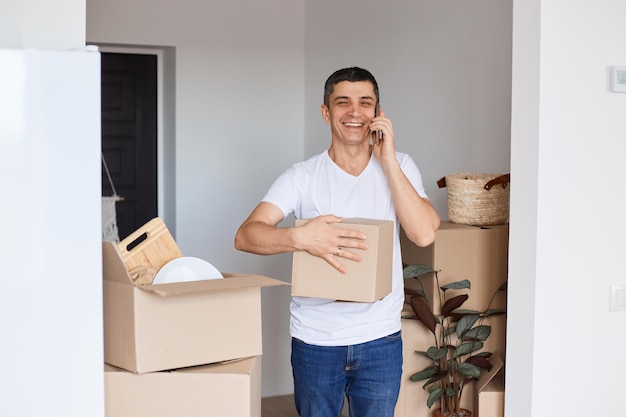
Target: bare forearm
[(417, 216), (263, 239)]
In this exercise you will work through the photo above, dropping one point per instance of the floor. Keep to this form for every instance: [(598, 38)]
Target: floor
[(281, 406)]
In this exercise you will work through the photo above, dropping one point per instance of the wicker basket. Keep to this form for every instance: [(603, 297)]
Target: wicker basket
[(477, 199)]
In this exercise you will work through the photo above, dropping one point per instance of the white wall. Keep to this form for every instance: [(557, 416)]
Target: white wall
[(565, 349), (444, 73), (42, 24)]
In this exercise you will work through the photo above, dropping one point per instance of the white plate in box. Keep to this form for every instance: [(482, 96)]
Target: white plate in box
[(184, 269)]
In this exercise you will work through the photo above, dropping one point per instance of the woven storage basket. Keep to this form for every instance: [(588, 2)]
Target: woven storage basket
[(477, 199)]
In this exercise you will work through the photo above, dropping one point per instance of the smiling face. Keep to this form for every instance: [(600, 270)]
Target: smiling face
[(349, 112)]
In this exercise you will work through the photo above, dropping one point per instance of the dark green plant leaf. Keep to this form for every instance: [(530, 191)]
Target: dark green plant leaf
[(422, 353), (477, 333), (467, 348), (433, 388), (436, 354), (423, 313), (462, 312), (458, 285), (465, 323), (484, 354), (432, 380), (451, 329), (414, 271), (479, 361), (469, 369), (453, 303), (494, 312), (425, 374), (433, 397)]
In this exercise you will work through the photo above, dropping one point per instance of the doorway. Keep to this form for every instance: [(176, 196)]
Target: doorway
[(129, 136)]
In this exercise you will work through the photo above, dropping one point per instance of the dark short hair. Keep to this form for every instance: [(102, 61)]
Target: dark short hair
[(352, 74)]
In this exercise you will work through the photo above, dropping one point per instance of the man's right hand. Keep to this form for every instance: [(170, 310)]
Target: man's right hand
[(318, 237)]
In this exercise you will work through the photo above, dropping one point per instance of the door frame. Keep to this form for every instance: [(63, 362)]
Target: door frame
[(166, 132)]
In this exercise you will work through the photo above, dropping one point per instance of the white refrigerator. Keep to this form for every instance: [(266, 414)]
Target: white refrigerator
[(51, 344)]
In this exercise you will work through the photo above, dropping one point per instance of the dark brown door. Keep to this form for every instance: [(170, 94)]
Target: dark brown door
[(129, 136)]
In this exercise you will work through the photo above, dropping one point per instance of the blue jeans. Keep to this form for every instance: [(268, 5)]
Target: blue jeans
[(368, 373)]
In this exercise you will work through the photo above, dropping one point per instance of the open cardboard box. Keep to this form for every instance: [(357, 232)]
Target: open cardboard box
[(226, 390), (365, 281), (151, 328)]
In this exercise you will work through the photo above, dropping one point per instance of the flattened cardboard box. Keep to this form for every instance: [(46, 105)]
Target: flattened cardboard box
[(225, 390), (365, 281), (479, 254), (490, 388), (151, 328)]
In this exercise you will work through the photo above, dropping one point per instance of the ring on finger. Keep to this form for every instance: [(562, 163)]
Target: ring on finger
[(338, 251)]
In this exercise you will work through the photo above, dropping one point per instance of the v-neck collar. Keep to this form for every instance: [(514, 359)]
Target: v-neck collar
[(369, 162)]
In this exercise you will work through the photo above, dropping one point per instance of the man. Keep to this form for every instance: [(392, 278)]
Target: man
[(338, 347)]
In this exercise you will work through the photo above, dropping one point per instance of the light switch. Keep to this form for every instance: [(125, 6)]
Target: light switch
[(617, 299), (618, 79)]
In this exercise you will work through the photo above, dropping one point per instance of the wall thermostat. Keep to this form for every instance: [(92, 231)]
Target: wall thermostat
[(618, 79)]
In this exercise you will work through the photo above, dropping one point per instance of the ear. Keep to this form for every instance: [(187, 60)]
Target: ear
[(325, 113)]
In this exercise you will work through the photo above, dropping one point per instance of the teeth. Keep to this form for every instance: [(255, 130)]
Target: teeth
[(354, 124)]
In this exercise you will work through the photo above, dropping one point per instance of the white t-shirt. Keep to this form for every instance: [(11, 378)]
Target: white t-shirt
[(317, 187)]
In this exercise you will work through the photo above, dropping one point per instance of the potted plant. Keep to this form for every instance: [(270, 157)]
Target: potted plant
[(459, 335)]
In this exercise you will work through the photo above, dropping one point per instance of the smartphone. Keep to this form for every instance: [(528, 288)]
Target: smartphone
[(378, 134)]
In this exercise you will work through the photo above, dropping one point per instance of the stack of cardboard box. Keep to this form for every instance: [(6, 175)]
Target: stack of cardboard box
[(479, 254), (181, 349)]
